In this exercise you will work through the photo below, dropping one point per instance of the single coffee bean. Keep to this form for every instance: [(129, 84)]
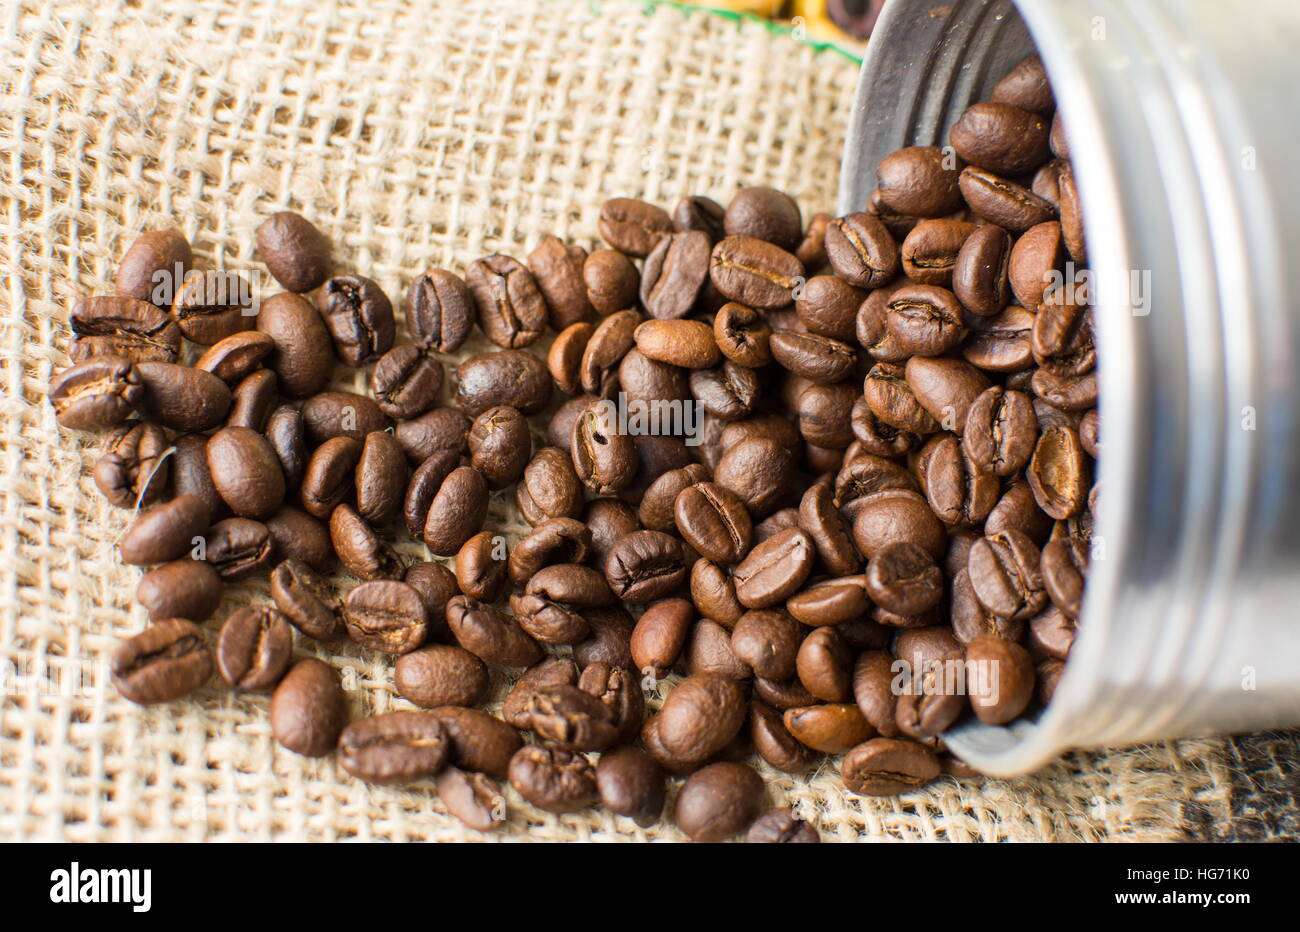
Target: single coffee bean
[(775, 569), (479, 742), (767, 642), (719, 801), (510, 377), (557, 269), (165, 532), (644, 380), (212, 305), (1001, 343), (903, 579), (754, 272), (1005, 575), (920, 181), (440, 311), (828, 306), (386, 615), (830, 602), (1036, 259), (817, 358), (656, 510), (295, 252), (633, 227), (701, 716), (153, 267), (303, 358), (474, 798), (714, 521), (164, 662), (239, 549), (726, 392), (610, 640), (511, 309), (929, 252), (309, 708), (288, 438), (188, 589), (1007, 679), (619, 690), (645, 566), (1072, 217), (568, 718), (742, 335), (1058, 473), (603, 459), (488, 634), (359, 317), (236, 357), (394, 748), (1070, 393), (925, 320), (700, 213), (190, 474), (296, 535), (1051, 634), (361, 551), (811, 250), (660, 634), (246, 472), (709, 650), (406, 382), (307, 600), (1026, 86), (481, 569), (1003, 202), (824, 665), (630, 783), (959, 492), (457, 511), (892, 400), (775, 744), (133, 467), (252, 399), (609, 343), (1001, 138), (122, 327), (1017, 509), (1064, 566), (874, 673), (945, 387), (548, 671), (564, 360), (329, 478), (895, 515), (1000, 432), (830, 533), (97, 394), (552, 779), (437, 586), (1063, 337), (560, 540), (833, 728), (440, 675), (686, 343), (612, 281), (766, 214), (549, 487), (183, 398), (675, 271), (759, 470), (781, 826), (888, 767), (380, 478), (441, 431), (341, 414), (970, 619), (861, 250), (979, 275), (254, 648)]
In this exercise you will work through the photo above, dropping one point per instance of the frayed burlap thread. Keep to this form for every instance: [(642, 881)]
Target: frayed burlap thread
[(414, 135)]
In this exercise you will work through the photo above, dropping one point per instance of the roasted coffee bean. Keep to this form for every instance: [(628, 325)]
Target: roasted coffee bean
[(775, 569), (619, 690), (657, 508), (1036, 259), (307, 600), (630, 783), (437, 586), (727, 392), (719, 801), (329, 478), (212, 305), (970, 619), (775, 744), (811, 250), (440, 431), (479, 742), (97, 394), (929, 253), (824, 665), (700, 213), (960, 494), (252, 399), (945, 387), (1090, 433), (309, 708), (870, 325), (1064, 566), (766, 214), (828, 306), (709, 650), (660, 634), (1001, 343), (165, 532), (644, 380), (295, 252), (510, 377), (874, 673), (341, 414), (1058, 473), (1006, 679), (701, 716), (1017, 509), (1005, 575), (133, 467), (122, 327), (675, 271), (1062, 339), (380, 478), (979, 276), (754, 272), (888, 767), (254, 648), (406, 382), (557, 269), (1026, 86), (831, 601), (180, 397), (895, 515), (609, 343), (1003, 202), (488, 634), (185, 588), (560, 540), (645, 566), (742, 335), (760, 471), (394, 748), (190, 474), (246, 472), (361, 551), (876, 437), (1072, 217), (568, 717), (920, 181), (552, 779), (817, 358), (359, 317), (925, 320), (474, 798), (612, 281), (153, 267), (861, 250), (603, 459), (782, 827), (303, 358), (440, 311), (1000, 432), (549, 487), (830, 533), (832, 728), (686, 343), (547, 672), (164, 662), (239, 549), (236, 357), (288, 438), (481, 567), (456, 512), (1051, 634), (1001, 138), (440, 675), (633, 227), (767, 642), (564, 359), (714, 521), (1070, 393), (511, 309), (891, 399), (386, 615), (904, 579)]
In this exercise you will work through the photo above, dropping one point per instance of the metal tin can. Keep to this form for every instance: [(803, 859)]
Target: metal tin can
[(1181, 118)]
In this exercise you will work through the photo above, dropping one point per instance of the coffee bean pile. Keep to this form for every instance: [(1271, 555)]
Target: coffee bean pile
[(891, 472)]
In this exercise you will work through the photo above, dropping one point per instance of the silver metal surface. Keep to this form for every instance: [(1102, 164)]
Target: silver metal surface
[(1182, 118)]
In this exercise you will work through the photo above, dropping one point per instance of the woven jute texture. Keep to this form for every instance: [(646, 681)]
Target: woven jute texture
[(415, 135)]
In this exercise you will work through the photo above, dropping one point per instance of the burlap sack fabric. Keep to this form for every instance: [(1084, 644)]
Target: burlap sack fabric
[(415, 134)]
